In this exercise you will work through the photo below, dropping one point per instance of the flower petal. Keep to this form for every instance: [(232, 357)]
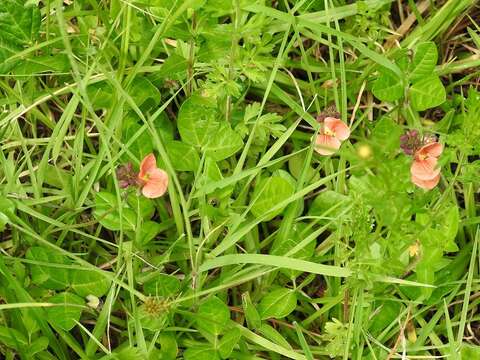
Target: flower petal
[(425, 169), (148, 164), (326, 144), (433, 149), (426, 184), (156, 185), (341, 130)]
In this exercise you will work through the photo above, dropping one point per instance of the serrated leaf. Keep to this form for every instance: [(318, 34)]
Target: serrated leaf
[(49, 277), (67, 313), (106, 212), (277, 304), (196, 121), (89, 282), (19, 22), (224, 143), (270, 192), (427, 93), (388, 86), (212, 316), (184, 157), (424, 61), (162, 285)]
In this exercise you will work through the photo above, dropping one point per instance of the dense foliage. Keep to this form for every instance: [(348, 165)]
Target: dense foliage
[(239, 179)]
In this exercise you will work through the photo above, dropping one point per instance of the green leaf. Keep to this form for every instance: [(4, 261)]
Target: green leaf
[(251, 314), (427, 93), (424, 61), (12, 338), (100, 95), (224, 143), (295, 237), (55, 278), (212, 316), (196, 121), (275, 261), (19, 22), (388, 86), (7, 207), (450, 228), (277, 304), (386, 135), (125, 353), (184, 157), (228, 342), (174, 67), (90, 282), (329, 204), (200, 353), (106, 212), (469, 351), (141, 205), (273, 335), (67, 313), (143, 90), (42, 64), (142, 145), (7, 50), (162, 285), (270, 192), (38, 345), (168, 346), (148, 231)]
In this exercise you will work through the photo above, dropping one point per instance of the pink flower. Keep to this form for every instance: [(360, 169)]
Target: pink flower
[(154, 181), (424, 170), (331, 135)]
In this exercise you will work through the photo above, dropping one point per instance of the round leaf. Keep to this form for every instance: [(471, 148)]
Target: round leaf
[(196, 121), (183, 156), (224, 143), (270, 192), (162, 285), (427, 93), (278, 304), (107, 214), (86, 283), (388, 86), (67, 313), (213, 315), (49, 277), (424, 61)]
